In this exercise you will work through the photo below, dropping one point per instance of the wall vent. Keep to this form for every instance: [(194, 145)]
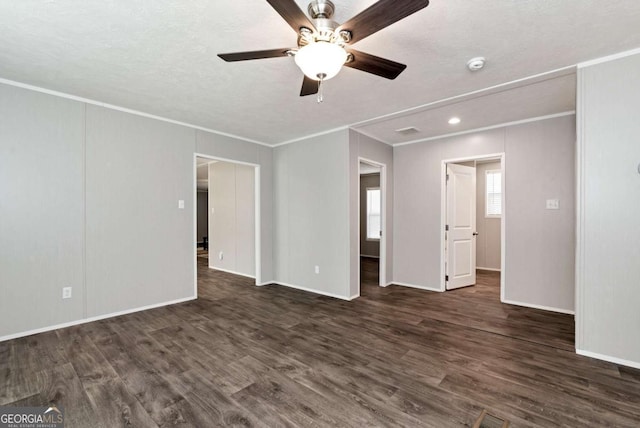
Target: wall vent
[(408, 131)]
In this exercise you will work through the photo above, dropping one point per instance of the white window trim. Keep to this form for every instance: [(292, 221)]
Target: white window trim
[(366, 229), (486, 194)]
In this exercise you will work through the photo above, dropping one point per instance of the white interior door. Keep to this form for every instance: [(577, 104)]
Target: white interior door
[(460, 243)]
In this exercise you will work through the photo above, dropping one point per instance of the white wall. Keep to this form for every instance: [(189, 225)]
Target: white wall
[(41, 184), (539, 243), (311, 214), (121, 249), (139, 244), (488, 228), (608, 272), (232, 218)]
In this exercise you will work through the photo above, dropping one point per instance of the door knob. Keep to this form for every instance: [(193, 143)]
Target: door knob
[(475, 233)]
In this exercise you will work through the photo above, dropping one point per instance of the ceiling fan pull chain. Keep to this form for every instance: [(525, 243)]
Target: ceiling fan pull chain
[(320, 96)]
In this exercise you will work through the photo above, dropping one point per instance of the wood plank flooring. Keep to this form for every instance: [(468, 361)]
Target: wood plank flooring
[(271, 356)]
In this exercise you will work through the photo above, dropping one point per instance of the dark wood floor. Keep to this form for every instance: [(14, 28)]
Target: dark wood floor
[(271, 356)]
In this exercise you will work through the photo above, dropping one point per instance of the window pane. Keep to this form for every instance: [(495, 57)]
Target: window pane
[(373, 213), (494, 193), (373, 227)]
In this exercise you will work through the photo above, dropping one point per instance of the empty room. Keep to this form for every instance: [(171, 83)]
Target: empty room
[(319, 213)]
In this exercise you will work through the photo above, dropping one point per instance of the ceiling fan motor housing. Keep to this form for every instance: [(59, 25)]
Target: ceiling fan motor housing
[(321, 9), (321, 12)]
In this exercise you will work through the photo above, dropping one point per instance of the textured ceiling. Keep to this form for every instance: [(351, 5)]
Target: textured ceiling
[(159, 57)]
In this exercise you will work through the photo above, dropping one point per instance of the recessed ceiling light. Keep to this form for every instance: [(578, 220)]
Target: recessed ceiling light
[(454, 121), (475, 64)]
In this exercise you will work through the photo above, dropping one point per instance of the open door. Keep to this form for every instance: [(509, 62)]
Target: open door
[(460, 243)]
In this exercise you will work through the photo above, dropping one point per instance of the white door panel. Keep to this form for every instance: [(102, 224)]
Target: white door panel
[(460, 246)]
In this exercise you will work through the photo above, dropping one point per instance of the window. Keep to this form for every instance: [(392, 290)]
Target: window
[(373, 213), (494, 193)]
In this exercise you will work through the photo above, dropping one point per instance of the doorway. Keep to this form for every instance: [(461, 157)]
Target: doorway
[(227, 235), (371, 224), (473, 222), (202, 208)]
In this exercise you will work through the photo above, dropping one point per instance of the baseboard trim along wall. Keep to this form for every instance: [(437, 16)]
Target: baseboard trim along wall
[(421, 287), (635, 365), (544, 308), (322, 293), (489, 269), (92, 319), (233, 272)]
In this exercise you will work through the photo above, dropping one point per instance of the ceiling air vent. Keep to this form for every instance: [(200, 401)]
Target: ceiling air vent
[(408, 131)]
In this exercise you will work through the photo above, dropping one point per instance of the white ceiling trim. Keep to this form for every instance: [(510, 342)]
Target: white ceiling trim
[(487, 128), (608, 58), (480, 92), (125, 110), (317, 134)]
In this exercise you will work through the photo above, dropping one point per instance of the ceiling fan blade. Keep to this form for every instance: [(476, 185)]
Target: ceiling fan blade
[(380, 15), (309, 87), (244, 56), (290, 12), (375, 65)]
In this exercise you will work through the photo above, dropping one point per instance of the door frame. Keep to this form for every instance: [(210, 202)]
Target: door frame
[(443, 215), (382, 273), (256, 199)]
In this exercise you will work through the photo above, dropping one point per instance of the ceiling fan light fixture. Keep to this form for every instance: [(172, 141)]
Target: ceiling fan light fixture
[(321, 60)]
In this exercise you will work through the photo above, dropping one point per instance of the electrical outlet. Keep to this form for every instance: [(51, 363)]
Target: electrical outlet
[(317, 269), (181, 204), (220, 255), (553, 204), (66, 292)]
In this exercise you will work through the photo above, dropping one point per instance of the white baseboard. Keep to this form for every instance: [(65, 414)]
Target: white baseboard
[(310, 290), (544, 308), (232, 272), (421, 287), (355, 296), (489, 269), (388, 284), (96, 318), (608, 358), (262, 284)]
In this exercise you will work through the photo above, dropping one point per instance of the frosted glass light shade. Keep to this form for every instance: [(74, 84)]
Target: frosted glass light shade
[(320, 58)]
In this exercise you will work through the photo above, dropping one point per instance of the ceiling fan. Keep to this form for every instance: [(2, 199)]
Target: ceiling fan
[(324, 45)]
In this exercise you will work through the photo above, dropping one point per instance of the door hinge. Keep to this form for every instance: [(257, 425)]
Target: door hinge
[(446, 227), (447, 177), (446, 278)]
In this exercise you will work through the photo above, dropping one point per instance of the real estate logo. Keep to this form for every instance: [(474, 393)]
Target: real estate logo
[(32, 417)]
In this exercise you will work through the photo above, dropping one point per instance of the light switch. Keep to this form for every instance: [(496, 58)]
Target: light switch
[(553, 204), (181, 204)]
